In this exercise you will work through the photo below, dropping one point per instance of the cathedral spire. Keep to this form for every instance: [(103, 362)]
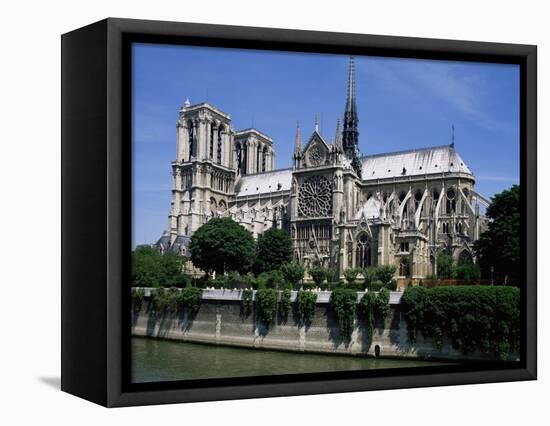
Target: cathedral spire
[(316, 122), (297, 142), (350, 102), (350, 134)]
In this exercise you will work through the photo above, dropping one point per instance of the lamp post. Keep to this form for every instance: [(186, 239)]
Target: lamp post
[(492, 275)]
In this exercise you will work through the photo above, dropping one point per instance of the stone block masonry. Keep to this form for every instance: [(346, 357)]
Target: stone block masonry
[(220, 320)]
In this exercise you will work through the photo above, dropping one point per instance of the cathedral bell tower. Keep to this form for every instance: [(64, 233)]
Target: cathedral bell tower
[(203, 172)]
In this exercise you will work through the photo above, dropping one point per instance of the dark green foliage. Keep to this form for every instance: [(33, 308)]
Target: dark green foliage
[(170, 300), (305, 301), (276, 280), (350, 274), (138, 295), (293, 273), (332, 275), (318, 274), (385, 274), (189, 298), (164, 300), (484, 318), (499, 246), (152, 269), (274, 249), (382, 304), (344, 304), (375, 286), (246, 306), (266, 305), (468, 272), (285, 304), (222, 245), (445, 266), (369, 275), (366, 311)]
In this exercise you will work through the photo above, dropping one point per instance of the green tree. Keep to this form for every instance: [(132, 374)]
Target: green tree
[(274, 249), (293, 273), (385, 274), (499, 246), (445, 266), (152, 269), (468, 272), (222, 245), (318, 274)]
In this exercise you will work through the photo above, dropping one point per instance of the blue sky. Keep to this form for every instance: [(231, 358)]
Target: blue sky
[(402, 104)]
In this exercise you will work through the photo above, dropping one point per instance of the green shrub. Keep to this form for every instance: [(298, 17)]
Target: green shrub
[(266, 305), (318, 275), (369, 275), (293, 273), (246, 302), (164, 300), (285, 304), (382, 303), (350, 274), (366, 311), (138, 294), (484, 318), (468, 272), (385, 274), (375, 286), (343, 302), (445, 266), (189, 298), (276, 280), (305, 301)]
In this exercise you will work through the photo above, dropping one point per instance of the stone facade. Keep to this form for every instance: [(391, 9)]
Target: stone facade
[(341, 209)]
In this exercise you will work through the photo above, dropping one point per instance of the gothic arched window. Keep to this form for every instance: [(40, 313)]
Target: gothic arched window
[(212, 133), (451, 201), (191, 139), (363, 257), (238, 152), (219, 153), (404, 267), (264, 158)]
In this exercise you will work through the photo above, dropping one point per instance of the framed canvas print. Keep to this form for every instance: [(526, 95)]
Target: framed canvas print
[(254, 212)]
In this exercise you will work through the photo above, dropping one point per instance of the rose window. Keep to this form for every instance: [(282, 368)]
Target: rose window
[(315, 198), (316, 156)]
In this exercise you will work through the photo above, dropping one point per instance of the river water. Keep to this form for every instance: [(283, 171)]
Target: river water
[(163, 360)]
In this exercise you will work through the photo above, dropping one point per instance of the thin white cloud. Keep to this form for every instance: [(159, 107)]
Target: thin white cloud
[(447, 82)]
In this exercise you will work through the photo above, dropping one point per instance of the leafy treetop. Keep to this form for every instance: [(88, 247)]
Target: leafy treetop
[(222, 245)]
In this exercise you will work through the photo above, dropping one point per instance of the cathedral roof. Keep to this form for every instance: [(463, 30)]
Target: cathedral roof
[(414, 162), (255, 132), (370, 210), (264, 183)]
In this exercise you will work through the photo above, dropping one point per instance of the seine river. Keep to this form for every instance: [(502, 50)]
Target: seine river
[(163, 360)]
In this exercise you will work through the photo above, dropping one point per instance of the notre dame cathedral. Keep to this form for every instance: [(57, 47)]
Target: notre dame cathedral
[(340, 208)]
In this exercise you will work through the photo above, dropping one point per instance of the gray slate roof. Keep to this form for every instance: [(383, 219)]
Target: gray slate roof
[(264, 183), (414, 162)]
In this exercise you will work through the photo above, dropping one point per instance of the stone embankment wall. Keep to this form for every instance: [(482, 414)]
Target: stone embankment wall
[(220, 320)]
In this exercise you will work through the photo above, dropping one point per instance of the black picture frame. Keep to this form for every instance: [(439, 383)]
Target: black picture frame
[(96, 200)]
